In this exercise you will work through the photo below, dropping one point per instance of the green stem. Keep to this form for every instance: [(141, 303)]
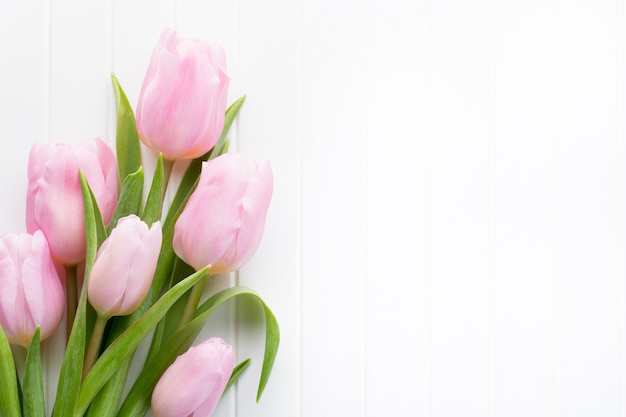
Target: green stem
[(167, 171), (71, 295), (94, 344), (192, 303)]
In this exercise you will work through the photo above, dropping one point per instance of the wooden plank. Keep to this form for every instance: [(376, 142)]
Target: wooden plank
[(395, 128), (267, 71), (461, 210), (333, 270), (23, 102), (588, 210), (526, 204)]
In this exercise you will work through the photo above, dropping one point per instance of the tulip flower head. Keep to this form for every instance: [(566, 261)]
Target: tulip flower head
[(193, 385), (54, 201), (124, 267), (182, 102), (32, 294), (223, 221)]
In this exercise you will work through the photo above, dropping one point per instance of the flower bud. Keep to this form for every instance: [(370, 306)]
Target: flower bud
[(194, 383), (54, 200), (124, 267), (32, 294), (223, 221), (182, 102)]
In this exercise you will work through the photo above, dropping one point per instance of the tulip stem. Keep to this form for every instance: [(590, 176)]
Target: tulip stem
[(192, 303), (94, 344), (167, 171), (71, 296)]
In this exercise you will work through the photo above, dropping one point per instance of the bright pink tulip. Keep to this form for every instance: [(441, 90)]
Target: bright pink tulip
[(193, 385), (223, 221), (183, 98), (54, 201), (124, 267), (31, 292)]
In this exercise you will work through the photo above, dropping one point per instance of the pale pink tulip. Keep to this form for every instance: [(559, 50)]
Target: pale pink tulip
[(31, 292), (124, 267), (223, 221), (193, 385), (54, 201), (183, 98)]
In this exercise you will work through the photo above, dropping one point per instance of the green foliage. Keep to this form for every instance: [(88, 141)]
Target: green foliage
[(127, 140), (34, 404), (137, 402), (9, 395)]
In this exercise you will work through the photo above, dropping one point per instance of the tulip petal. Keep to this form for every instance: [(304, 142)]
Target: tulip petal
[(41, 282), (32, 294), (54, 200), (107, 281), (142, 266), (194, 383), (256, 201), (183, 98), (9, 285), (124, 267), (224, 219)]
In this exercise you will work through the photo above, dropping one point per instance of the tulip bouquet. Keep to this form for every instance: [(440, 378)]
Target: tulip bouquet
[(122, 267)]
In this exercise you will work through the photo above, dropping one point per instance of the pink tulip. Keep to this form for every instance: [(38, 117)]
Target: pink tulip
[(183, 98), (54, 201), (32, 294), (193, 385), (124, 267), (223, 221)]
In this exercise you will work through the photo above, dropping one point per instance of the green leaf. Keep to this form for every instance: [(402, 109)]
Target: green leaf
[(165, 264), (154, 203), (72, 366), (101, 232), (34, 404), (130, 197), (127, 140), (9, 396), (237, 372), (272, 332), (111, 359), (169, 324), (137, 402), (107, 401)]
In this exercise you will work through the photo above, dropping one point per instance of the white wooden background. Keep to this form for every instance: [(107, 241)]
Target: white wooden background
[(447, 233)]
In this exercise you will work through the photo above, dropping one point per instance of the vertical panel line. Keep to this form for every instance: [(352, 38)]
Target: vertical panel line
[(234, 278), (492, 209), (47, 353), (48, 75), (300, 286), (427, 218), (557, 225), (364, 216), (109, 114), (621, 203)]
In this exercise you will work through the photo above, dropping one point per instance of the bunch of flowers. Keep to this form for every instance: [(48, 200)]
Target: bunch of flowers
[(121, 266)]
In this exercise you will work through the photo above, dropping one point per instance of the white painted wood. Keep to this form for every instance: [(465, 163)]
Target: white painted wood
[(333, 208), (588, 254), (272, 133), (397, 194), (447, 230), (526, 203), (24, 102), (461, 209)]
